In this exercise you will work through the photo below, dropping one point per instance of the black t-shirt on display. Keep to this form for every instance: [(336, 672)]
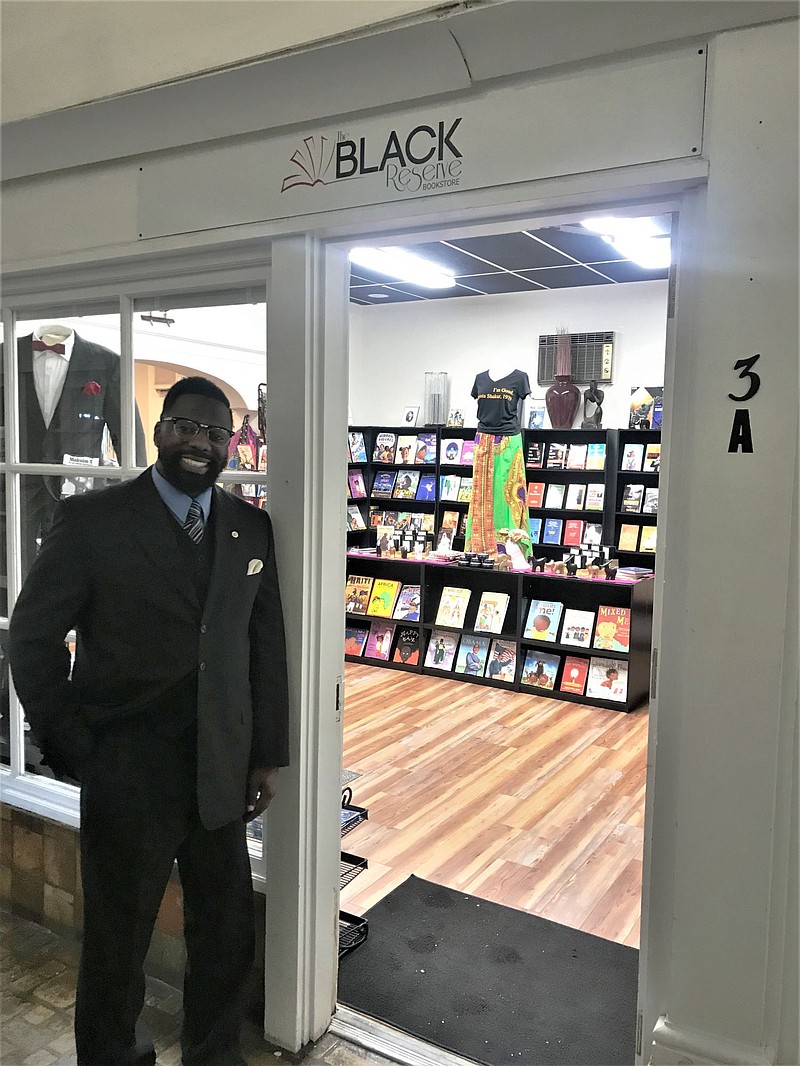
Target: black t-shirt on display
[(500, 402)]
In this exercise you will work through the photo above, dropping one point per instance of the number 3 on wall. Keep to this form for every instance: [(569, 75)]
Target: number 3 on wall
[(745, 368), (741, 433)]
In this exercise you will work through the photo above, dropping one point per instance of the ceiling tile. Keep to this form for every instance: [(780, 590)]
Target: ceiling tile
[(500, 283), (628, 271), (584, 246), (514, 251), (565, 277), (450, 258)]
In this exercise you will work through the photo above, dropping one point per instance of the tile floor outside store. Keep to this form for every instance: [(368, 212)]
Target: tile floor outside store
[(38, 971)]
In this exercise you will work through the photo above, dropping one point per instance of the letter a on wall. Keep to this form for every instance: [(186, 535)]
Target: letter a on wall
[(741, 434)]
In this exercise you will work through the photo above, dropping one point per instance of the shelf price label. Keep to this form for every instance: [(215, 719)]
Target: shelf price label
[(741, 439)]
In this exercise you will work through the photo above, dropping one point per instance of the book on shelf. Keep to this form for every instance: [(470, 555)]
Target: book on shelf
[(554, 496), (502, 662), (356, 447), (491, 612), (608, 679), (573, 532), (426, 449), (593, 534), (650, 504), (453, 606), (376, 518), (613, 629), (534, 454), (576, 459), (448, 487), (632, 457), (652, 458), (379, 641), (595, 496), (355, 637), (384, 537), (406, 647), (557, 456), (536, 414), (385, 446), (542, 621), (406, 485), (383, 597), (424, 520), (535, 528), (552, 531), (540, 669), (450, 450), (426, 490), (355, 483), (573, 676), (356, 594), (595, 457), (647, 539), (535, 494), (467, 452), (449, 520), (462, 527), (455, 417), (441, 649), (472, 655), (628, 537), (576, 495), (383, 483), (632, 496), (577, 627), (635, 573), (444, 540), (406, 448), (407, 607), (465, 490), (646, 406), (355, 519)]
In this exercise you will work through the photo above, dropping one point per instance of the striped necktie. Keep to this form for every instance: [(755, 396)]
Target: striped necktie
[(194, 522)]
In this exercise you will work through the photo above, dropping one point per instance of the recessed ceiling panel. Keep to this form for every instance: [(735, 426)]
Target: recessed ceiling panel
[(513, 251), (628, 271), (584, 246), (565, 277), (496, 283)]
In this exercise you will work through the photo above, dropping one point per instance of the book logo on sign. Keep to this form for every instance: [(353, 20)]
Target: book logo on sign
[(424, 159)]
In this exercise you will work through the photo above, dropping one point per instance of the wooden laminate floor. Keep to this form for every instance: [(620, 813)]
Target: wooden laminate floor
[(530, 802)]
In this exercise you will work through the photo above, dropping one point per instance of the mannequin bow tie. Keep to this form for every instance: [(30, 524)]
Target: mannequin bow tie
[(40, 346)]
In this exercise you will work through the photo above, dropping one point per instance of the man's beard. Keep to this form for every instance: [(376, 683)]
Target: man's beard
[(186, 480)]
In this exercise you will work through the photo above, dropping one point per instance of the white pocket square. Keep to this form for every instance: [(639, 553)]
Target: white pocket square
[(255, 566)]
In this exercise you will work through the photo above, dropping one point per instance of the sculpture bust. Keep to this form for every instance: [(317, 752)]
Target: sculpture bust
[(593, 395)]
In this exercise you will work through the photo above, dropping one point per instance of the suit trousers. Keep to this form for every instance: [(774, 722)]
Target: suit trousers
[(138, 814)]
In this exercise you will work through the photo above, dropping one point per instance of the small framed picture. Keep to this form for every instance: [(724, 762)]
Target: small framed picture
[(456, 417), (410, 415)]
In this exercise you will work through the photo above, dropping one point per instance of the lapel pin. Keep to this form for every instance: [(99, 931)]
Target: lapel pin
[(234, 533)]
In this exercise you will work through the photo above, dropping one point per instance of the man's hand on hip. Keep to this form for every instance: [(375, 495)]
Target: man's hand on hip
[(262, 784)]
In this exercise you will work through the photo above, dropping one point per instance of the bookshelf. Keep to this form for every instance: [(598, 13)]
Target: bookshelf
[(646, 484)]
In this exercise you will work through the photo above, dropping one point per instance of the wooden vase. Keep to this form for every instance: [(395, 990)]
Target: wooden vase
[(562, 400)]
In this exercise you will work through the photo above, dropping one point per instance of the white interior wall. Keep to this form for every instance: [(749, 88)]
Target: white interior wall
[(392, 347)]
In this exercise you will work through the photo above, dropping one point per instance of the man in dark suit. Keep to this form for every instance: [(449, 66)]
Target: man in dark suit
[(174, 718)]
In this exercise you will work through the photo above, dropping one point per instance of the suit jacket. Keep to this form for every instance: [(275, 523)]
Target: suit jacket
[(141, 629)]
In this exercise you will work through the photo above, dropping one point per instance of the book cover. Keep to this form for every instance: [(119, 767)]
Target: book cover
[(577, 627), (426, 448), (426, 490), (406, 485), (355, 637), (535, 527), (613, 630), (628, 537), (358, 451), (535, 494), (593, 534), (595, 496), (448, 487), (462, 528), (375, 518), (652, 458), (536, 414), (450, 451), (576, 459), (647, 541), (407, 607), (650, 505), (406, 647), (383, 597), (425, 521), (379, 641), (573, 532), (534, 454), (543, 619), (573, 678), (502, 662), (355, 481), (540, 669), (608, 679), (465, 490), (455, 417), (557, 456), (491, 612), (632, 496), (595, 457), (646, 405), (453, 606), (356, 594), (450, 520), (552, 531), (385, 445), (467, 452), (472, 655), (406, 448), (441, 650), (383, 483), (554, 497), (576, 495), (355, 519), (632, 457)]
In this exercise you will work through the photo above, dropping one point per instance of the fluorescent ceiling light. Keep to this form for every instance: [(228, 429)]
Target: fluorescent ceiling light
[(641, 240), (401, 265), (378, 295)]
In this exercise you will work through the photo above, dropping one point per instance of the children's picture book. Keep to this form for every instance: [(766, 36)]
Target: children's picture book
[(576, 459), (595, 496), (406, 449), (426, 448), (593, 534), (375, 518), (455, 417), (628, 537), (573, 677), (406, 647), (543, 619), (465, 490), (356, 594), (448, 486), (383, 597), (383, 483), (632, 457), (406, 485), (385, 446), (453, 606), (557, 456), (646, 407), (554, 497), (450, 451), (613, 629), (355, 482), (379, 641), (536, 414), (407, 607), (441, 650), (426, 490), (355, 637), (491, 612), (535, 527), (358, 452), (573, 532), (576, 494), (540, 669), (467, 452), (647, 539), (650, 505), (577, 627), (502, 662), (472, 655), (534, 454), (632, 496), (535, 494), (608, 679), (652, 458), (355, 519), (449, 520), (552, 531), (595, 457)]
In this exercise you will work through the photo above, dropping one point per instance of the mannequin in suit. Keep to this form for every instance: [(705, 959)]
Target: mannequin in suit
[(174, 719)]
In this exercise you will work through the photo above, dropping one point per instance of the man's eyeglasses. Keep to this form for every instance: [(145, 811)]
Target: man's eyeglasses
[(186, 428)]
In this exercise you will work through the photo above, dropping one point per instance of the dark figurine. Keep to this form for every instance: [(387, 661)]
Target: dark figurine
[(572, 567), (611, 568), (538, 564), (593, 395)]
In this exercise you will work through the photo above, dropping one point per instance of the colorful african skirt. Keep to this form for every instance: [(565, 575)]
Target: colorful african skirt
[(499, 492)]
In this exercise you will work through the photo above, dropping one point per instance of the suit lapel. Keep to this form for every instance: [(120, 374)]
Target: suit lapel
[(153, 528), (32, 428)]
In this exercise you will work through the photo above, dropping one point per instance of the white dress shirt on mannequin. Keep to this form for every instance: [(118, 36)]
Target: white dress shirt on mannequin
[(50, 368)]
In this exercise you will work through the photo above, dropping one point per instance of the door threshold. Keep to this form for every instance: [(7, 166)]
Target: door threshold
[(392, 1043)]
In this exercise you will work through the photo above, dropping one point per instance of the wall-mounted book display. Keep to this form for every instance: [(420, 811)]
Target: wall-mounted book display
[(636, 497)]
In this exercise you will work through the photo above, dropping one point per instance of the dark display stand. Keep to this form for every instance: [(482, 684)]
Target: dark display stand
[(648, 478)]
